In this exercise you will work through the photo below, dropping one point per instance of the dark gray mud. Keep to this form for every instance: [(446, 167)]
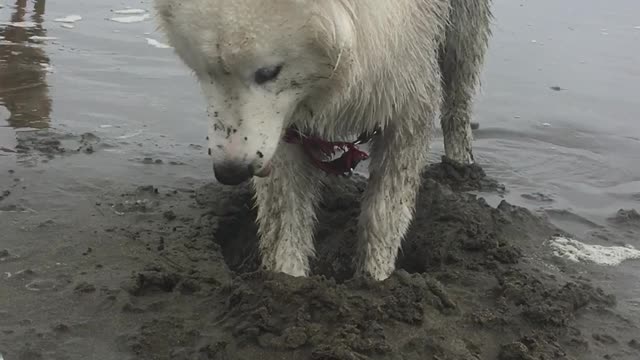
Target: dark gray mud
[(172, 273)]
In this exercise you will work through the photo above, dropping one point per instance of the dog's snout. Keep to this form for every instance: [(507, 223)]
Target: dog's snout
[(233, 173)]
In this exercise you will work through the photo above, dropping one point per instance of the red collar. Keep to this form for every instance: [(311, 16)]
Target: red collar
[(343, 165)]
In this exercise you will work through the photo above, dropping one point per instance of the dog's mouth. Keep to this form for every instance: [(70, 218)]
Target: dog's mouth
[(332, 157), (337, 158), (265, 171)]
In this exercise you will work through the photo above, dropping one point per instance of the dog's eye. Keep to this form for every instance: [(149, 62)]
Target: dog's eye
[(267, 74)]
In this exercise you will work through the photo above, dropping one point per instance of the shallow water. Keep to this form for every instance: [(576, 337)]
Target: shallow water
[(558, 110), (579, 144)]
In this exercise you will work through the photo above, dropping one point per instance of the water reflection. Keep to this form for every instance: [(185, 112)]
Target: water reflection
[(23, 67)]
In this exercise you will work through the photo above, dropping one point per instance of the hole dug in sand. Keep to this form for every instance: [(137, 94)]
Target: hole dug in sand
[(463, 289)]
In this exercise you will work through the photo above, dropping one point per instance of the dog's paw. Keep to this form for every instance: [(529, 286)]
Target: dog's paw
[(379, 275), (289, 265), (376, 269), (376, 255), (368, 277)]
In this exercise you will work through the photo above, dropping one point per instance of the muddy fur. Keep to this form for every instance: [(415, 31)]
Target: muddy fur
[(341, 67)]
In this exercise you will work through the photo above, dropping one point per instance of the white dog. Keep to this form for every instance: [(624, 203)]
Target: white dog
[(280, 75)]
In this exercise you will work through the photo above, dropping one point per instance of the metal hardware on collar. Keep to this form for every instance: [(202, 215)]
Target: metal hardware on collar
[(342, 166), (365, 137)]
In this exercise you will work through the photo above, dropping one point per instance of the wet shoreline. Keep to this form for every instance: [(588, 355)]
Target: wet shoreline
[(116, 243)]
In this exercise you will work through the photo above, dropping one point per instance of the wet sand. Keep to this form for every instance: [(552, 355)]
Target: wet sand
[(170, 271), (117, 244)]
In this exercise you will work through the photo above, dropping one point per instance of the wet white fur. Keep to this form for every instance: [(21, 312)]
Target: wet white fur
[(348, 65)]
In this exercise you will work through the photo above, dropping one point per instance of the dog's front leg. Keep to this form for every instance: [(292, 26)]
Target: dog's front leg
[(286, 201), (397, 160)]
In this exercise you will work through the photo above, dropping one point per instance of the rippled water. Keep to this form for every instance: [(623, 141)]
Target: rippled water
[(580, 144)]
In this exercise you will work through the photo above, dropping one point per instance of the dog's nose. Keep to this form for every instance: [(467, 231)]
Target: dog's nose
[(232, 173)]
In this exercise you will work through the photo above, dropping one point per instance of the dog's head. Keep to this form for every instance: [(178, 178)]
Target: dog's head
[(256, 61)]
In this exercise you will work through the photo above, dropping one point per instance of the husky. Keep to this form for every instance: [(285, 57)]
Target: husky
[(289, 83)]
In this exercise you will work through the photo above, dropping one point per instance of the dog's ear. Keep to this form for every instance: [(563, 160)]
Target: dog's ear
[(334, 25)]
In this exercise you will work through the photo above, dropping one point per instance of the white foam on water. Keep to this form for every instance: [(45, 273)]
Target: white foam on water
[(47, 67), (158, 44), (576, 251), (19, 24), (4, 113), (68, 26), (69, 19), (131, 19), (43, 38), (130, 11), (128, 136)]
